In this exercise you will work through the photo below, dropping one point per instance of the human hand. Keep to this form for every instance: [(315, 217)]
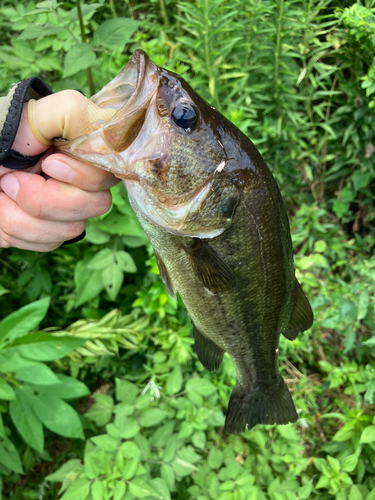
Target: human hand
[(40, 212)]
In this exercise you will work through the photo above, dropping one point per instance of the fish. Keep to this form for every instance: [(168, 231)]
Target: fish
[(214, 215)]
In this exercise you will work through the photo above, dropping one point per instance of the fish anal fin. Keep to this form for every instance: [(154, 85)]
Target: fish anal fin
[(165, 275), (209, 354), (302, 316), (210, 269), (247, 409)]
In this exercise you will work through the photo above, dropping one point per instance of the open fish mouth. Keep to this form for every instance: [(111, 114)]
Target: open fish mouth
[(129, 95)]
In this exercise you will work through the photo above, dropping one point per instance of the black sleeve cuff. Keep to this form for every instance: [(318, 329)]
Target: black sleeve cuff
[(32, 88)]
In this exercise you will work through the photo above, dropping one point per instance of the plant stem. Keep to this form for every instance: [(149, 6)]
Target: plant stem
[(211, 79), (163, 12), (277, 50), (83, 36), (113, 8), (11, 268)]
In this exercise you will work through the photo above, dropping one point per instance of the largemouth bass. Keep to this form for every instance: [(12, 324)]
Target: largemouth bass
[(216, 220)]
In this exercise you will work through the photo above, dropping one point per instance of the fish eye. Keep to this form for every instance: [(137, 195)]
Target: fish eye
[(185, 116)]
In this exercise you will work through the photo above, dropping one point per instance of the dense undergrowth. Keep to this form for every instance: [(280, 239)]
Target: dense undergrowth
[(108, 398)]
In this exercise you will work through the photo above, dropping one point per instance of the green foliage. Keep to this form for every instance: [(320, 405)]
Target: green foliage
[(33, 395), (298, 78)]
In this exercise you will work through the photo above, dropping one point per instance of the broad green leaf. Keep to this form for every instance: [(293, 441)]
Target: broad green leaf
[(126, 262), (152, 417), (71, 466), (26, 423), (9, 456), (167, 473), (6, 390), (68, 388), (368, 435), (37, 373), (44, 347), (97, 490), (126, 391), (199, 439), (37, 30), (57, 415), (201, 386), (188, 454), (161, 487), (105, 442), (350, 463), (355, 493), (215, 458), (23, 321), (95, 235), (334, 463), (3, 290), (80, 57), (130, 450), (305, 491), (102, 259), (88, 282), (141, 489), (113, 278), (183, 468), (120, 489), (79, 490), (114, 33), (174, 381), (101, 411)]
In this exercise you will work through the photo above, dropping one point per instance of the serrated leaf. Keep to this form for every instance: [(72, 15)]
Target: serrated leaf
[(79, 57), (115, 33)]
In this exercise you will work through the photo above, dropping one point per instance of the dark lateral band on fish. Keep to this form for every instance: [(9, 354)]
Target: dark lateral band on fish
[(216, 220)]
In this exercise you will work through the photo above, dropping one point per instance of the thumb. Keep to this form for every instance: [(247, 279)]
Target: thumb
[(67, 114)]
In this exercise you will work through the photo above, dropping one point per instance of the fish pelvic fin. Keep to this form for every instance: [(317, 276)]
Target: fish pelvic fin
[(164, 274), (209, 268), (248, 409), (209, 354), (302, 316)]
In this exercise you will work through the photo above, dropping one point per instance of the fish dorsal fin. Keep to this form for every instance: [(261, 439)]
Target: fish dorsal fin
[(209, 354), (209, 268), (165, 275), (302, 316)]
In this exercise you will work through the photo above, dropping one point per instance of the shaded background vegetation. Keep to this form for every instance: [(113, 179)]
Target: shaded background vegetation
[(298, 77)]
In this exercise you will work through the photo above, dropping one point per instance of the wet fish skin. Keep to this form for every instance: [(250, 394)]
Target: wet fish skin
[(216, 220)]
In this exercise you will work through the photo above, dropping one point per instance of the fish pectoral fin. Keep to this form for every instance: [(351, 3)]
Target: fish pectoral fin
[(247, 409), (302, 316), (165, 275), (209, 354), (209, 268)]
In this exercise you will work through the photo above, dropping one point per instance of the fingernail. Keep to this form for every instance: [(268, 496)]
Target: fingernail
[(58, 170), (10, 186)]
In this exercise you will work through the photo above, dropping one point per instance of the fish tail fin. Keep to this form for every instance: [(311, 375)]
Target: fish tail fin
[(249, 409)]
